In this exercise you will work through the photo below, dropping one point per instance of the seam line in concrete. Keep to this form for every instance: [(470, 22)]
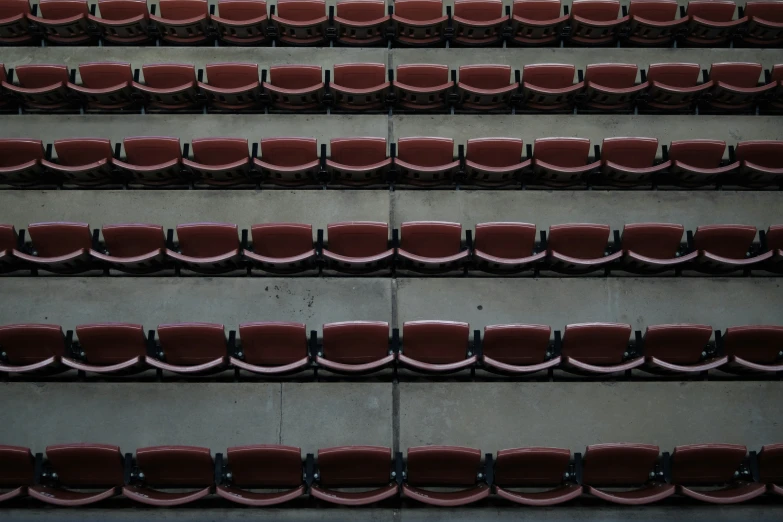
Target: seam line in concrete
[(280, 428)]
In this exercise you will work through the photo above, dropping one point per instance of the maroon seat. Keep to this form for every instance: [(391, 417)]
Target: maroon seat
[(726, 248), (94, 467), (549, 87), (753, 349), (595, 22), (714, 465), (6, 103), (358, 161), (478, 22), (736, 86), (355, 347), (535, 468), (63, 22), (624, 465), (272, 348), (674, 86), (191, 349), (241, 22), (426, 161), (436, 347), (774, 241), (9, 240), (761, 162), (282, 248), (106, 86), (537, 22), (232, 87), (495, 161), (122, 22), (357, 247), (770, 461), (562, 162), (183, 22), (431, 246), (17, 471), (85, 162), (579, 248), (422, 86), (711, 22), (679, 348), (765, 23), (611, 87), (134, 248), (630, 161), (361, 22), (653, 22), (58, 247), (351, 467), (171, 467), (42, 88), (288, 161), (20, 161), (26, 348), (262, 467), (360, 86), (504, 247), (301, 22), (14, 24), (649, 248), (419, 23), (444, 466), (598, 349), (295, 87), (219, 162), (207, 248), (169, 87), (699, 162), (485, 87), (776, 101), (517, 349), (109, 348), (151, 161)]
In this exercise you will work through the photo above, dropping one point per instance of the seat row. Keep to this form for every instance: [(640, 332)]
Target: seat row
[(417, 23), (364, 162), (446, 476), (361, 87), (274, 349)]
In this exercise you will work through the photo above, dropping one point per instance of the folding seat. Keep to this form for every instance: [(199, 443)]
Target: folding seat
[(674, 87), (727, 248), (562, 162), (478, 22), (598, 349), (494, 161), (711, 22), (650, 248), (122, 22), (653, 22), (42, 88), (8, 241), (361, 22), (207, 248), (20, 161), (517, 349), (219, 162), (241, 22), (351, 467), (32, 348), (264, 467), (151, 161), (191, 349), (106, 86), (436, 347), (630, 161), (770, 460), (59, 247), (357, 247), (699, 162), (503, 247), (624, 465), (549, 87), (81, 466), (735, 87), (282, 248), (360, 86), (300, 22), (169, 87), (183, 22), (419, 23), (426, 161), (84, 162), (171, 467), (271, 348), (17, 471), (537, 22), (109, 348), (611, 87), (294, 87), (714, 465), (431, 246), (289, 161), (580, 248), (537, 468), (358, 161), (765, 23), (355, 348), (753, 349), (63, 21), (14, 24), (134, 248), (595, 22), (422, 87), (445, 467), (232, 87), (486, 87), (761, 162), (679, 348)]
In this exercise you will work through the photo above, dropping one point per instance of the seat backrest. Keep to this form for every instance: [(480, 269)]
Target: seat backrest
[(17, 466), (770, 11), (86, 464), (712, 10), (273, 343), (76, 152), (506, 240), (706, 464), (356, 342), (289, 152), (596, 10), (61, 9), (301, 10), (186, 466), (443, 466), (59, 239), (596, 343), (17, 151), (117, 10), (775, 237), (14, 8), (220, 151), (361, 10), (354, 466), (436, 342), (192, 343), (704, 154), (731, 241), (359, 75), (655, 240), (431, 238), (39, 76), (579, 240), (232, 75), (104, 75), (419, 10), (426, 152), (207, 239), (765, 153), (736, 74), (760, 344), (109, 343), (538, 10), (133, 239), (612, 75), (655, 10), (777, 72), (531, 467), (168, 75), (677, 343), (630, 152), (549, 75), (674, 74), (241, 10), (281, 240), (31, 343), (265, 465), (295, 76), (8, 237), (770, 464), (151, 150), (516, 343), (358, 152), (358, 238), (562, 152), (179, 10), (618, 464), (485, 76), (423, 75), (478, 10), (495, 152)]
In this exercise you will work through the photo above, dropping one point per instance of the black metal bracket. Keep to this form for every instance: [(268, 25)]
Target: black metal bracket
[(313, 344), (578, 468), (399, 468), (152, 348), (39, 468), (309, 470), (558, 345), (127, 468), (220, 477), (666, 467), (489, 469), (753, 465), (396, 346), (477, 348)]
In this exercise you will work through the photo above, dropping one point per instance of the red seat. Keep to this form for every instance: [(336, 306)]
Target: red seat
[(537, 22), (444, 466), (85, 162), (109, 348), (191, 349), (183, 22), (478, 22), (726, 248), (134, 248), (207, 248), (358, 161), (8, 241), (535, 468), (754, 349), (282, 248), (169, 87), (674, 86), (295, 87), (770, 461), (562, 161), (774, 242), (122, 22), (711, 22), (494, 161), (20, 161), (624, 465), (436, 347), (419, 23), (611, 87), (6, 103), (171, 467), (82, 466), (650, 248), (699, 162), (357, 247), (361, 22), (426, 161), (63, 21), (776, 102), (289, 161), (679, 348), (264, 467), (595, 22), (301, 22), (58, 247), (761, 162), (272, 348), (485, 87), (504, 247), (105, 86), (151, 161), (353, 467), (714, 465), (232, 87), (219, 162), (630, 161), (422, 87), (241, 22), (17, 471), (518, 349), (736, 86), (653, 22), (549, 87), (598, 349), (431, 246), (765, 23), (42, 88), (354, 348), (579, 248), (14, 24), (30, 348), (360, 86)]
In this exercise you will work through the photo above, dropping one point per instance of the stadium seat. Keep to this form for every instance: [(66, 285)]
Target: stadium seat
[(444, 466), (81, 466), (713, 465), (650, 248), (431, 246), (206, 248), (63, 22), (133, 248), (494, 161), (122, 22), (653, 22), (190, 349), (20, 161), (183, 22), (774, 243), (295, 87), (171, 467), (624, 465), (360, 86), (765, 23), (595, 22), (14, 24), (153, 161), (17, 472), (761, 162), (562, 162), (271, 348), (753, 349), (357, 247), (422, 87), (611, 87), (28, 348), (436, 347), (109, 348), (630, 161), (580, 248), (485, 87), (735, 87), (350, 467), (85, 162), (598, 349), (679, 348), (697, 163), (8, 241), (106, 86), (426, 161), (674, 87), (504, 247), (419, 23), (361, 23), (549, 87), (726, 248), (775, 103), (358, 161), (711, 23), (42, 88), (770, 460), (518, 349), (300, 22), (537, 22), (241, 22), (58, 247), (282, 248), (232, 87), (548, 470), (219, 162), (7, 104), (289, 161), (478, 22), (355, 348), (169, 87), (277, 469)]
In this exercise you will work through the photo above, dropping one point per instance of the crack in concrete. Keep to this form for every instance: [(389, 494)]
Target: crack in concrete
[(280, 428)]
